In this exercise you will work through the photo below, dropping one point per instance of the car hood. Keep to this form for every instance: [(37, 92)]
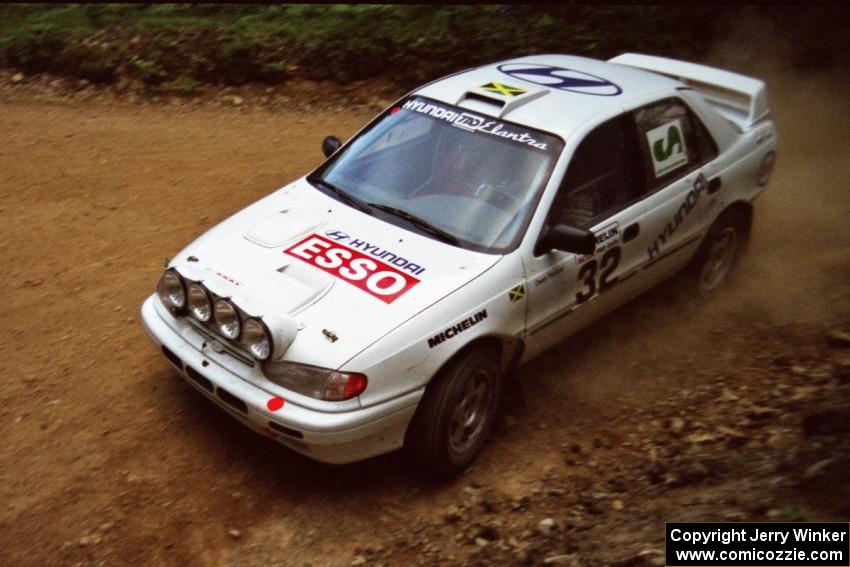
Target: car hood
[(328, 279)]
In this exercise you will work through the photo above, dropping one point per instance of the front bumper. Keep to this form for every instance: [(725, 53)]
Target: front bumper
[(331, 437)]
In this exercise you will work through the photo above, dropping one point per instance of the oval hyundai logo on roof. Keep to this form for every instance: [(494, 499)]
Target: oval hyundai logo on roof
[(560, 78)]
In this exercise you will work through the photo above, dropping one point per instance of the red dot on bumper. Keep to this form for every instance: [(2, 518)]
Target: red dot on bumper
[(275, 403)]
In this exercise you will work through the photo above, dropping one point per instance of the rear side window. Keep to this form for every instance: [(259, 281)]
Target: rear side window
[(672, 141), (705, 143)]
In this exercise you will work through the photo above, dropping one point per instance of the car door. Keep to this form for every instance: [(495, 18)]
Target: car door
[(602, 183), (676, 153), (641, 207)]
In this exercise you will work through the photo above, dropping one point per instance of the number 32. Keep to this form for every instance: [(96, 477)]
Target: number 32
[(587, 274)]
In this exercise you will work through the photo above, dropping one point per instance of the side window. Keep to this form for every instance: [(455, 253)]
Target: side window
[(672, 140), (601, 177), (705, 143)]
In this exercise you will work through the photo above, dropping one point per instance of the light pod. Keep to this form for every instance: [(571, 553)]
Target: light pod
[(200, 305), (227, 319)]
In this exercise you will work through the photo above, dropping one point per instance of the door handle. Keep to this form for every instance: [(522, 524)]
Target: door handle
[(631, 231), (714, 185)]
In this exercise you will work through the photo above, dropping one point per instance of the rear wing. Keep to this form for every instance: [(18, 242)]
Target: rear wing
[(741, 99)]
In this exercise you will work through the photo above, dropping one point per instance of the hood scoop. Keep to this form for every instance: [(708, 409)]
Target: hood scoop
[(498, 99), (294, 287), (281, 227)]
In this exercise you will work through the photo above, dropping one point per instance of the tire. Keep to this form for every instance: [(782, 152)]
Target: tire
[(718, 253), (456, 414)]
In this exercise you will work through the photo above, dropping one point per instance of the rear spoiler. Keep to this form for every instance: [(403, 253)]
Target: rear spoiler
[(740, 98)]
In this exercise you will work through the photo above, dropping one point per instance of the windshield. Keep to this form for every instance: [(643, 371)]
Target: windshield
[(456, 175)]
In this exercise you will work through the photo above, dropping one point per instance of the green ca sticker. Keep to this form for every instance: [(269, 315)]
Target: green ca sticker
[(667, 147)]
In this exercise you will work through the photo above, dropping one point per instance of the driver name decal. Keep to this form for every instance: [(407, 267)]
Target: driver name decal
[(474, 123), (378, 279)]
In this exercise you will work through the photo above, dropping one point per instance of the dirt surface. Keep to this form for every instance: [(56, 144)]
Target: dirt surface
[(672, 408)]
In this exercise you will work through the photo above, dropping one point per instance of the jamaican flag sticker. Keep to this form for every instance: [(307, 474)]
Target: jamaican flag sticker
[(516, 293), (503, 89)]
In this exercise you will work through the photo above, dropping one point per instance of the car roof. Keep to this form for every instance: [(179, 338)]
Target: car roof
[(553, 93)]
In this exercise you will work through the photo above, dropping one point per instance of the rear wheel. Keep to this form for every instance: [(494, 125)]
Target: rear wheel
[(718, 252), (456, 414)]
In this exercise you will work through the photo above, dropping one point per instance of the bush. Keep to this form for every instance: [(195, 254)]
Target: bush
[(182, 85), (97, 63), (179, 46), (37, 48)]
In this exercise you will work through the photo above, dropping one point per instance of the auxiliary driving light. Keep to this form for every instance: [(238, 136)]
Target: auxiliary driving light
[(227, 319), (200, 305), (256, 339), (171, 290)]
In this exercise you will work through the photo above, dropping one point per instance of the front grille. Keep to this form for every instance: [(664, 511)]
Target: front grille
[(175, 360), (229, 347), (232, 400), (203, 382)]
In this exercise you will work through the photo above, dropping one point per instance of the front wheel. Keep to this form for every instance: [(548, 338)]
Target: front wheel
[(457, 412)]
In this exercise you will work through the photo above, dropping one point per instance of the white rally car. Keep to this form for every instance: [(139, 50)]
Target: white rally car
[(379, 301)]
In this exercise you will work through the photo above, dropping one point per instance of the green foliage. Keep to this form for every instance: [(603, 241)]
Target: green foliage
[(182, 85), (97, 63), (149, 71), (35, 48), (797, 514), (179, 46)]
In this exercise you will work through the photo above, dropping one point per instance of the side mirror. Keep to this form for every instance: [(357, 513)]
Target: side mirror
[(330, 145), (567, 239)]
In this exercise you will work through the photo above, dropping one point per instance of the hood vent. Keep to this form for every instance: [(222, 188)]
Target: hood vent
[(295, 286), (281, 227), (496, 105), (482, 103)]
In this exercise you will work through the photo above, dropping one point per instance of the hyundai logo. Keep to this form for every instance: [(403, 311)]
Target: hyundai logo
[(337, 235), (561, 79)]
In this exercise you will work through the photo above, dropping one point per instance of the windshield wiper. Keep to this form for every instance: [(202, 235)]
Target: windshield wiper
[(353, 201), (418, 222)]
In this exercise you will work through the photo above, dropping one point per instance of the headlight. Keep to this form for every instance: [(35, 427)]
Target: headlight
[(199, 302), (171, 290), (227, 319), (256, 339), (316, 382)]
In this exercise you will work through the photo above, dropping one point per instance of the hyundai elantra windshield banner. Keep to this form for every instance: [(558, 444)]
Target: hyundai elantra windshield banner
[(476, 123)]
